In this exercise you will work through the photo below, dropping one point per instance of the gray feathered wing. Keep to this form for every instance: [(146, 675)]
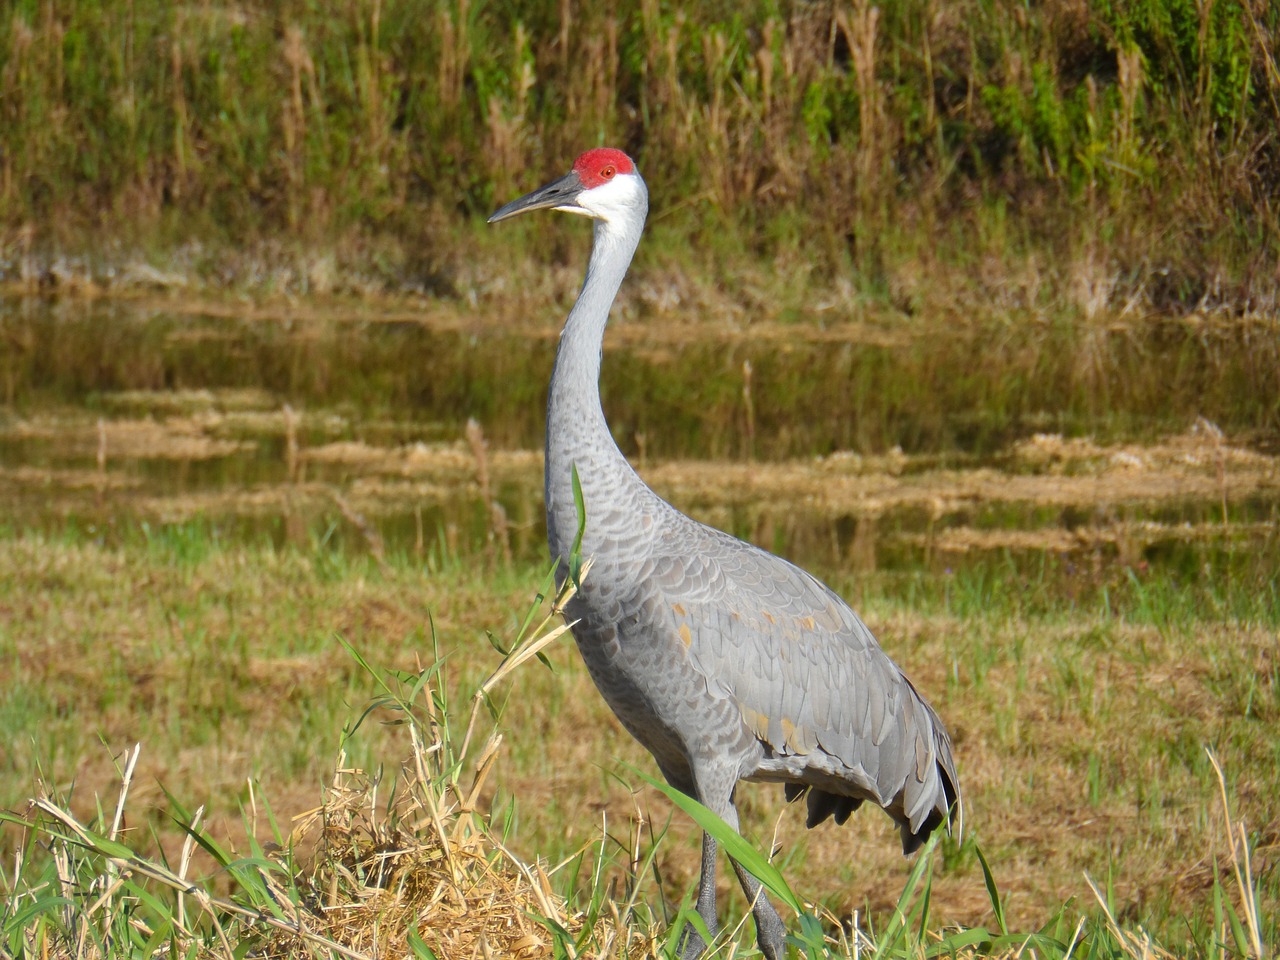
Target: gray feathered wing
[(833, 712)]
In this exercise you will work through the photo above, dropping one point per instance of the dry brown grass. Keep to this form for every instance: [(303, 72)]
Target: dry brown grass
[(1080, 736), (1068, 741), (1046, 470), (384, 860), (371, 878)]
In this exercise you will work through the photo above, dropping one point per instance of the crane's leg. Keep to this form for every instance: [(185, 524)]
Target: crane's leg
[(770, 932), (693, 945)]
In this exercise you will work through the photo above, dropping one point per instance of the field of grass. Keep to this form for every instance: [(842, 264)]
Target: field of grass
[(1085, 674), (1082, 732)]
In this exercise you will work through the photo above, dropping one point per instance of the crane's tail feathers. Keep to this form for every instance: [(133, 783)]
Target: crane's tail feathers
[(950, 782), (822, 804), (947, 809), (927, 800), (954, 820), (955, 806), (939, 800)]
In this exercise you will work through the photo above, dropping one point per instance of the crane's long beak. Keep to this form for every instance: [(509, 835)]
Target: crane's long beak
[(560, 194)]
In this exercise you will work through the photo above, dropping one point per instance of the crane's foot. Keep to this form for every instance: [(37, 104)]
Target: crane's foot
[(692, 945), (771, 934)]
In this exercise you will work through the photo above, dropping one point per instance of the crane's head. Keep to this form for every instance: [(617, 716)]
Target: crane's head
[(604, 184)]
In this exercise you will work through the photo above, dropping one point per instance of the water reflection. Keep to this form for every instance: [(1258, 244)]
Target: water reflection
[(352, 430)]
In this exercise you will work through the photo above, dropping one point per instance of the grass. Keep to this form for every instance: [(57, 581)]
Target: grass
[(414, 862), (1093, 156), (1082, 736)]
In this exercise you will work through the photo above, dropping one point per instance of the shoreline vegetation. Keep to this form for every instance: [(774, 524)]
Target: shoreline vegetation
[(1088, 157)]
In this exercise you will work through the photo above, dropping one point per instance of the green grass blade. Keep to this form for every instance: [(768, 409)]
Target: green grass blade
[(418, 945), (734, 844), (961, 940), (42, 906), (208, 845), (993, 892), (891, 939), (579, 504)]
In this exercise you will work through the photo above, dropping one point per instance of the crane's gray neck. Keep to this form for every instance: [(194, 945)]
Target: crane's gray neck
[(577, 433)]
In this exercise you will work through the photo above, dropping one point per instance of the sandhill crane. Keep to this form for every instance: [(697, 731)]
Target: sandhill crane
[(726, 662)]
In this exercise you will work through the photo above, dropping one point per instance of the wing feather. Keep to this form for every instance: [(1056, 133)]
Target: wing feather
[(808, 675)]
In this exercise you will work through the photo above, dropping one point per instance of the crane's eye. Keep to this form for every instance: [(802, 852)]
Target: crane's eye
[(608, 172)]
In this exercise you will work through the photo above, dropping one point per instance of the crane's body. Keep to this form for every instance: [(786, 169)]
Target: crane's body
[(726, 662)]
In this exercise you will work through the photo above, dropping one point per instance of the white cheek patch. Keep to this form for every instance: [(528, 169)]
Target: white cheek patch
[(608, 199), (580, 211)]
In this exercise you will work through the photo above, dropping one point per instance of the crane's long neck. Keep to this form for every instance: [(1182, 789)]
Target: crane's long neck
[(577, 433)]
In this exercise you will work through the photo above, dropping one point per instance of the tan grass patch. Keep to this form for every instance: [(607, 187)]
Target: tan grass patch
[(175, 438), (1071, 473), (174, 403), (377, 875), (38, 479), (444, 460), (1127, 535)]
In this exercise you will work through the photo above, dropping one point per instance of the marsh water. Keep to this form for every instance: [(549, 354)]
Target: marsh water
[(322, 423)]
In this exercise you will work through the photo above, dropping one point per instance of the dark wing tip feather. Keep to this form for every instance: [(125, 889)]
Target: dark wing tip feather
[(911, 842), (955, 806), (844, 809), (953, 816), (822, 805)]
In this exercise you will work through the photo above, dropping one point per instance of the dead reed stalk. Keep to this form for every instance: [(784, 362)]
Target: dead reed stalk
[(377, 548), (1241, 865), (100, 486), (294, 117), (499, 536), (291, 460), (860, 28)]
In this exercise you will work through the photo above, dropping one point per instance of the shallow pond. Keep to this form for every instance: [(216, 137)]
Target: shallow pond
[(301, 423)]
